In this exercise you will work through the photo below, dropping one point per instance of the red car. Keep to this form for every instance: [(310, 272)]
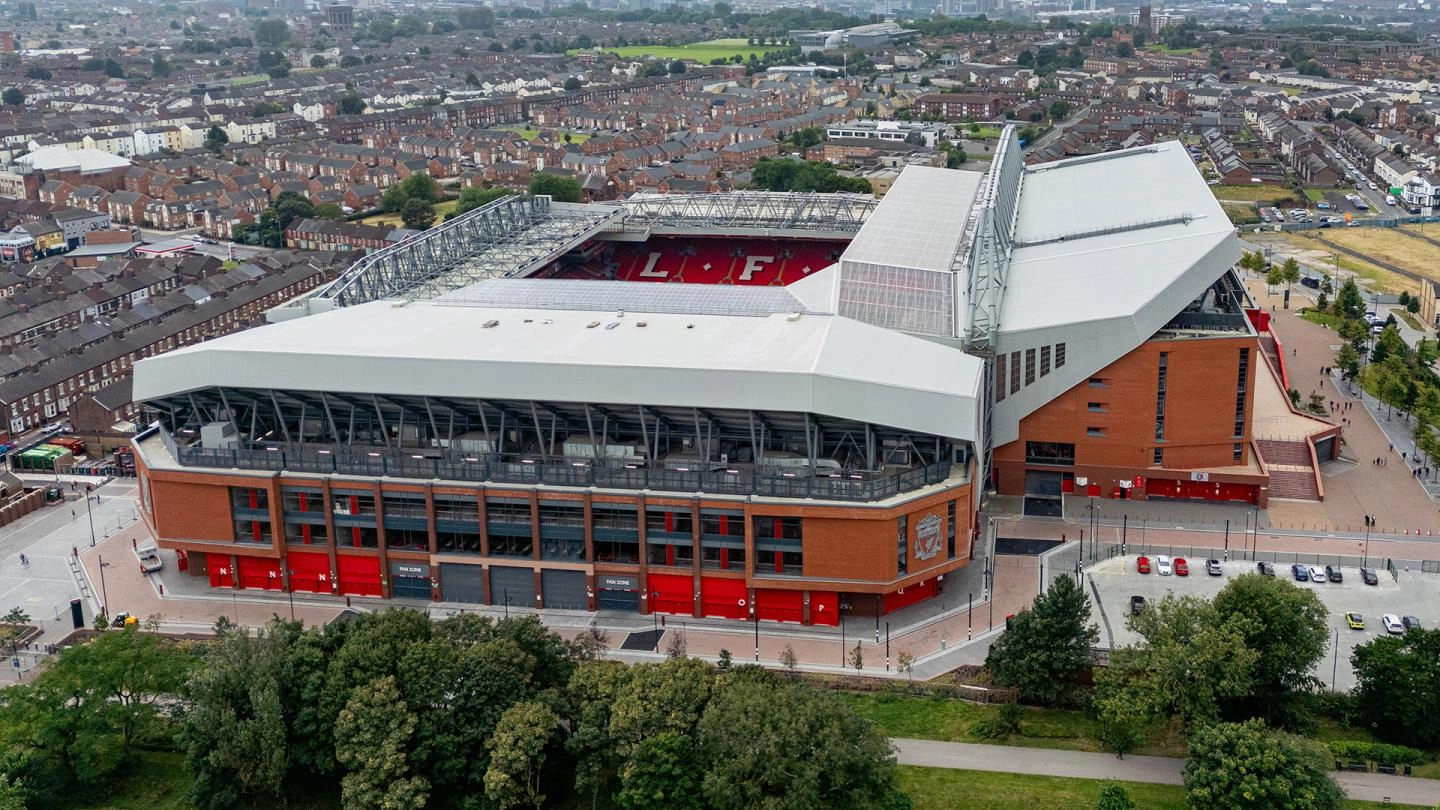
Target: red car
[(1142, 564), (1182, 568)]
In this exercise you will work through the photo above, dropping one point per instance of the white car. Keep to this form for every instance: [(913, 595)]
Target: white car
[(1392, 623), (1373, 187), (1318, 575), (1163, 566)]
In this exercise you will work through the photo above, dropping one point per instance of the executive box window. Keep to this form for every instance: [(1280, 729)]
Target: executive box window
[(407, 539), (250, 500), (402, 507), (615, 533), (668, 521), (352, 504), (562, 530), (660, 552), (1057, 454), (253, 531), (507, 517), (788, 528), (778, 545), (358, 537), (722, 539), (304, 516), (251, 508), (512, 546), (457, 525)]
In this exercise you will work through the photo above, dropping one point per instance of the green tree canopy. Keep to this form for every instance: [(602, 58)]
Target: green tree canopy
[(560, 187), (372, 735), (1397, 689), (476, 196), (12, 96), (517, 754), (780, 174), (1286, 627), (1046, 644), (1248, 765), (417, 214)]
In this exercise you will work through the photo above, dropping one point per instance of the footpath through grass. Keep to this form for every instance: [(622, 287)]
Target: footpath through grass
[(940, 789)]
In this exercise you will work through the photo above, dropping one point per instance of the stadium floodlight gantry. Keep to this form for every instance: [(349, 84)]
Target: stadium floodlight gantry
[(749, 213)]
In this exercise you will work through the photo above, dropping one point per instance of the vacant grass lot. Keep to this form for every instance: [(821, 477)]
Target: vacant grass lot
[(1253, 192), (1380, 279), (1392, 245), (393, 220), (530, 134)]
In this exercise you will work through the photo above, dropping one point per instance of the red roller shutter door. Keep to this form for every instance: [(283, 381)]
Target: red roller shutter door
[(824, 608), (905, 597), (724, 598), (672, 593), (309, 572), (219, 567), (775, 605), (359, 576), (260, 573)]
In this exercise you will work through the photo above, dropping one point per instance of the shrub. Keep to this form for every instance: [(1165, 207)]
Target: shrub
[(1003, 723), (1378, 752)]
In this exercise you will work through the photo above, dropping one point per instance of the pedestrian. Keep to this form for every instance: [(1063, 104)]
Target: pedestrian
[(72, 514), (1391, 448)]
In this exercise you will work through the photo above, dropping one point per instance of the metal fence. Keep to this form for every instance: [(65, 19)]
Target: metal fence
[(1196, 556)]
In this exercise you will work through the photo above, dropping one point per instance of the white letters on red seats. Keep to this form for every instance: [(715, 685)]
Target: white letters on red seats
[(753, 266), (650, 271)]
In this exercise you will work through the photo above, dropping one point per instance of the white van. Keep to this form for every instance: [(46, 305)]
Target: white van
[(1389, 199)]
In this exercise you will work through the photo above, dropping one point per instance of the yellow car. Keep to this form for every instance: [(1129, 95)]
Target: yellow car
[(1355, 620)]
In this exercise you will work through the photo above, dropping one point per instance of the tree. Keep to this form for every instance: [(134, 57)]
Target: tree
[(1274, 276), (17, 615), (792, 746), (215, 138), (1114, 797), (1060, 109), (349, 60), (788, 659), (12, 96), (1286, 627), (857, 657), (318, 61), (1349, 303), (1124, 50), (572, 83), (661, 774), (1025, 58), (290, 206), (475, 18), (517, 754), (279, 71), (476, 197), (37, 72), (271, 31), (905, 664), (372, 734), (675, 647), (417, 214), (1187, 663), (421, 186), (350, 104), (1248, 765), (159, 65), (1397, 687), (1046, 644), (1290, 272), (559, 187)]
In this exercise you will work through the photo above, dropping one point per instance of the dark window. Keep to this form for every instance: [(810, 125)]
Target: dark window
[(1241, 386), (508, 517), (352, 504), (674, 554), (669, 521), (306, 534), (1029, 366), (506, 545), (1159, 458), (724, 558), (999, 377), (728, 524), (1162, 379), (1059, 454), (1014, 372), (357, 536), (249, 500), (950, 530), (1095, 432), (1098, 382), (253, 531), (407, 539), (772, 528), (561, 514), (902, 545), (405, 506), (1095, 407), (1059, 355), (1239, 454), (302, 501), (1044, 360), (457, 542), (459, 510)]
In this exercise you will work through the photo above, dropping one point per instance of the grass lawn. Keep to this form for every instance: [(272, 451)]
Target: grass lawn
[(157, 780), (1316, 194), (1159, 48), (393, 220), (1381, 280), (530, 134), (254, 78), (953, 720), (1393, 246), (1240, 213), (938, 789), (1253, 192), (1291, 91), (1332, 322), (1410, 320), (702, 52)]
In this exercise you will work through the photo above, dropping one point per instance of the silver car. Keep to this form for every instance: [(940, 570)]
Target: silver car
[(1317, 575)]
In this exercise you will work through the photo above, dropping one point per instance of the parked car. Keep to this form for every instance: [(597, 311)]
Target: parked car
[(1302, 574), (1137, 604), (1265, 569), (1411, 622), (1322, 205), (1355, 621), (1332, 572), (1182, 568), (1392, 624), (1212, 567), (1368, 576), (1317, 574), (1142, 564), (1163, 566)]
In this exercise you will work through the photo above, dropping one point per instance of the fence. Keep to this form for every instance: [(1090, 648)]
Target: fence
[(1196, 556)]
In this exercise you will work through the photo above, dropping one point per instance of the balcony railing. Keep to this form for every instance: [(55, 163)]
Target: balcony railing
[(442, 465)]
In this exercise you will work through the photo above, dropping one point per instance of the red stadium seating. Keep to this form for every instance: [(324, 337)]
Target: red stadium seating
[(708, 260)]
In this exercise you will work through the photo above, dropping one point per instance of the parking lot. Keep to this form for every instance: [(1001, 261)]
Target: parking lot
[(1116, 580)]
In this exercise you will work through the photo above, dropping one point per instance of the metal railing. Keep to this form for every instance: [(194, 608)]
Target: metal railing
[(444, 465)]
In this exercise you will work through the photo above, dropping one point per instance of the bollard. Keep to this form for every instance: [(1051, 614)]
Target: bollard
[(162, 590)]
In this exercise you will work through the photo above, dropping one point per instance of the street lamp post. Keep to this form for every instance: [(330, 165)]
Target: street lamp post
[(90, 517), (1335, 665), (1365, 560), (654, 617), (887, 646), (755, 617), (290, 591), (104, 594), (506, 593)]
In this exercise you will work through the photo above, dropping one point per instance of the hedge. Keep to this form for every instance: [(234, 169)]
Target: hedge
[(1378, 752)]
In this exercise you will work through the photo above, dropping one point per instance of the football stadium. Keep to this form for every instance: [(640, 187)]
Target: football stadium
[(754, 405)]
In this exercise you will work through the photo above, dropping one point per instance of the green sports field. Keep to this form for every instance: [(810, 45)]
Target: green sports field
[(703, 52)]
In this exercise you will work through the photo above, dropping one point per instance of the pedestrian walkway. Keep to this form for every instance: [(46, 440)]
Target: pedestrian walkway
[(1370, 787)]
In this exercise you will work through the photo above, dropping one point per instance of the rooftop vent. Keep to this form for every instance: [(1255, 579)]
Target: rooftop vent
[(490, 324)]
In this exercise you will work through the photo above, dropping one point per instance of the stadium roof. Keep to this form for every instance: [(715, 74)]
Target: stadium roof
[(920, 223), (629, 296), (819, 364), (1104, 236), (52, 158)]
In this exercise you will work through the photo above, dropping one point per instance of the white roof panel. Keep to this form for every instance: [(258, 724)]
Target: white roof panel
[(812, 363), (919, 223)]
